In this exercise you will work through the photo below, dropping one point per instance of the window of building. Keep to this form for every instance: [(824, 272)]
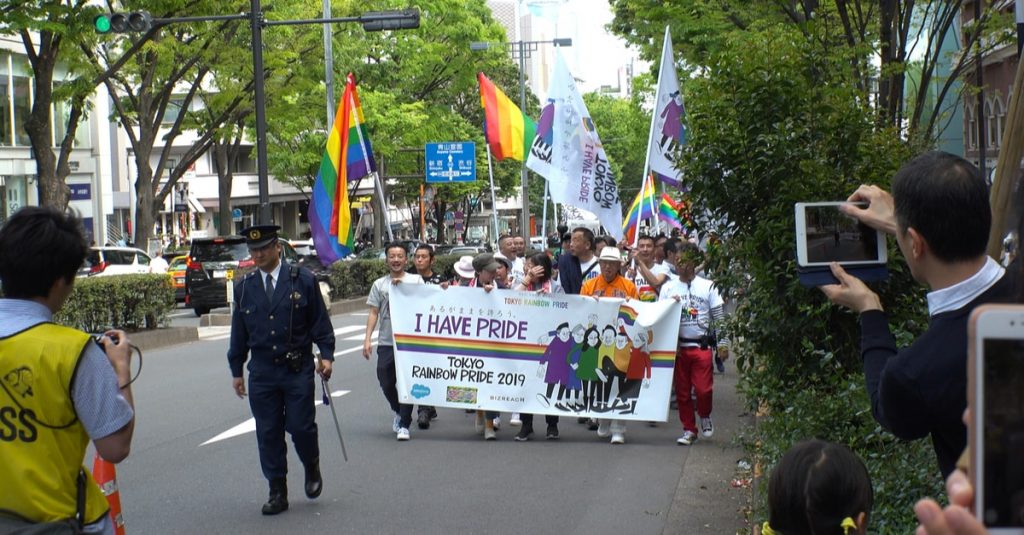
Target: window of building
[(22, 99), (1000, 119), (173, 109), (970, 112), (6, 128)]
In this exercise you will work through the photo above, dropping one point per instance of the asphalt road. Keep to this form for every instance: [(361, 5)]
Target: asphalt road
[(445, 480)]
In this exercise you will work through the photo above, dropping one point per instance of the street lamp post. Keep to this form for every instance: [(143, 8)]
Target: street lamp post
[(523, 49)]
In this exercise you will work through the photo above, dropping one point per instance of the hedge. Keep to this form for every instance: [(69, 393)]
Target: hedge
[(129, 302)]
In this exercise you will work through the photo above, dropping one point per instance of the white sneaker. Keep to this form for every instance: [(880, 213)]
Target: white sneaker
[(515, 421), (396, 424), (707, 428), (603, 428), (497, 423), (689, 437), (618, 438), (403, 434), (489, 434)]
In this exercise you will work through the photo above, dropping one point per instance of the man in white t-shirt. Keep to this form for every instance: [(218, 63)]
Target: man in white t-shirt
[(641, 261), (702, 309), (157, 264), (380, 314)]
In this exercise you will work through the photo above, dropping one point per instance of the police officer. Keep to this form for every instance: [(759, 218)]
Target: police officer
[(279, 314)]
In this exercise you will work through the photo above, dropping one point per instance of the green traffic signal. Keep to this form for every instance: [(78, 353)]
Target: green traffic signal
[(102, 23), (135, 21)]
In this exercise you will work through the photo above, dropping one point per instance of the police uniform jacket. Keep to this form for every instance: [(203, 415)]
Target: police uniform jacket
[(262, 327)]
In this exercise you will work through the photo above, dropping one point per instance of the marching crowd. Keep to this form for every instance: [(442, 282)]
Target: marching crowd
[(588, 266)]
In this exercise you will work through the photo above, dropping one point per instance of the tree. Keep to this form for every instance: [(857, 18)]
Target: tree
[(853, 31), (54, 33), (416, 86)]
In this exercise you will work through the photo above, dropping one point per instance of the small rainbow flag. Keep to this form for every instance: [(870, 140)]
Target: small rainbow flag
[(642, 208), (508, 130), (627, 314), (668, 211), (347, 157)]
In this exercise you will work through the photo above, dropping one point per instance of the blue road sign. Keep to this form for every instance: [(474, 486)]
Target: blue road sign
[(451, 161)]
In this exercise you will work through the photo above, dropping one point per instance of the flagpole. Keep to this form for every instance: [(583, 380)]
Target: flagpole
[(494, 199), (544, 216), (384, 204), (640, 210), (650, 135)]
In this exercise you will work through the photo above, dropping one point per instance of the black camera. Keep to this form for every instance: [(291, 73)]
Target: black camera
[(292, 359), (708, 340)]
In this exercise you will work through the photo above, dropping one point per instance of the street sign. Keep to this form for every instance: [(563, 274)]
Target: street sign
[(451, 161), (236, 214)]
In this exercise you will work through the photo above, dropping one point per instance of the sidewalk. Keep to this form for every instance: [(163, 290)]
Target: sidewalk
[(706, 500)]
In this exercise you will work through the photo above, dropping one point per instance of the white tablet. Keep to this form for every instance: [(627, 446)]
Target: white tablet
[(825, 235)]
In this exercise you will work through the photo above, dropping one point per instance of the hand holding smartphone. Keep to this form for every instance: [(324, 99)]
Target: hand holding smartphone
[(995, 399)]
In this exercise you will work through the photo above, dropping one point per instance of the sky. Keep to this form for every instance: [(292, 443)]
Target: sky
[(596, 54)]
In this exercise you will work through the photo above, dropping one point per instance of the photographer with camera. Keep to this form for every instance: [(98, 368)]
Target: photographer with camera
[(939, 213), (59, 387), (279, 315), (702, 308)]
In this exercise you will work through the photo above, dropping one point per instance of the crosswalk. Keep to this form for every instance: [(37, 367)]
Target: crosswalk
[(210, 334)]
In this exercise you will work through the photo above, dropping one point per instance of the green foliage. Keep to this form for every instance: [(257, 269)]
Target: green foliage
[(769, 130), (130, 302)]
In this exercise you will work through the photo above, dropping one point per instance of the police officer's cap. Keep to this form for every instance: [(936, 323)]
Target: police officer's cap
[(258, 236)]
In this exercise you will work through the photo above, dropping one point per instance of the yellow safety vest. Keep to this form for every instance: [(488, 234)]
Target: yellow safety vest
[(42, 442)]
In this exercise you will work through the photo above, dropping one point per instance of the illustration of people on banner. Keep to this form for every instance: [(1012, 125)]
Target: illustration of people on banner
[(525, 352)]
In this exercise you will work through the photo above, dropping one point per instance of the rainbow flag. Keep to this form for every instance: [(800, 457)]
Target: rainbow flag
[(668, 211), (347, 157), (508, 130), (642, 208)]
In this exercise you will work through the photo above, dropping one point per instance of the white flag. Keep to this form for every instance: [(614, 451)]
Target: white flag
[(568, 153), (668, 132)]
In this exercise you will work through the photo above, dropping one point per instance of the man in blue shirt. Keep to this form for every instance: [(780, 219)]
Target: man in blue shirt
[(939, 213)]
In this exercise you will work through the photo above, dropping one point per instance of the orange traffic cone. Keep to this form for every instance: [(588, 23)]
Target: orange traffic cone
[(105, 475)]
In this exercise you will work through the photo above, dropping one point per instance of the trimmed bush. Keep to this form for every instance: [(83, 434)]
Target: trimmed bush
[(129, 302)]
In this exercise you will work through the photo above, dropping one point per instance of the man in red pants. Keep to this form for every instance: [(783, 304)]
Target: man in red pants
[(702, 309)]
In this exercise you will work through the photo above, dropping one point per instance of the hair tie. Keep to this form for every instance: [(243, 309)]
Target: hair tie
[(767, 530), (847, 524)]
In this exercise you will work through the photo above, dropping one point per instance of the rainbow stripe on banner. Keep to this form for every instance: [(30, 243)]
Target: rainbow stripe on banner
[(347, 157), (493, 349), (642, 208)]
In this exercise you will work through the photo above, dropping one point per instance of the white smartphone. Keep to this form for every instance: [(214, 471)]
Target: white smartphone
[(824, 235), (995, 399)]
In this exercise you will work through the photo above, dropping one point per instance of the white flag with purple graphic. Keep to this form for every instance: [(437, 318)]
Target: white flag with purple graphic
[(568, 153), (668, 132)]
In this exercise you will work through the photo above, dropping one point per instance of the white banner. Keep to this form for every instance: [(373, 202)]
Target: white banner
[(668, 132), (534, 353), (568, 153)]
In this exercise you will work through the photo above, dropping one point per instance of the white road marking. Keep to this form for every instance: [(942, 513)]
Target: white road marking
[(359, 313), (249, 426), (349, 329)]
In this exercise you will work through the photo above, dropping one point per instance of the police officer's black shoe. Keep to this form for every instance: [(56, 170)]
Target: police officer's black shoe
[(314, 483), (278, 501)]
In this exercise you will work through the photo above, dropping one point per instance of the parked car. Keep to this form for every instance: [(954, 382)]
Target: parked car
[(176, 270), (106, 261), (303, 247), (462, 250), (210, 260)]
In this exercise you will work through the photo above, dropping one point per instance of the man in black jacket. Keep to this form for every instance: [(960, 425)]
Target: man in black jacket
[(939, 213)]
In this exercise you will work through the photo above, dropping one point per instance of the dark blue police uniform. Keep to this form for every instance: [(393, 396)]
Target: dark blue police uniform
[(281, 391)]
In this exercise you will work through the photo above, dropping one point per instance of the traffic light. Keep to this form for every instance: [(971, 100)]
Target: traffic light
[(136, 21), (376, 21)]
